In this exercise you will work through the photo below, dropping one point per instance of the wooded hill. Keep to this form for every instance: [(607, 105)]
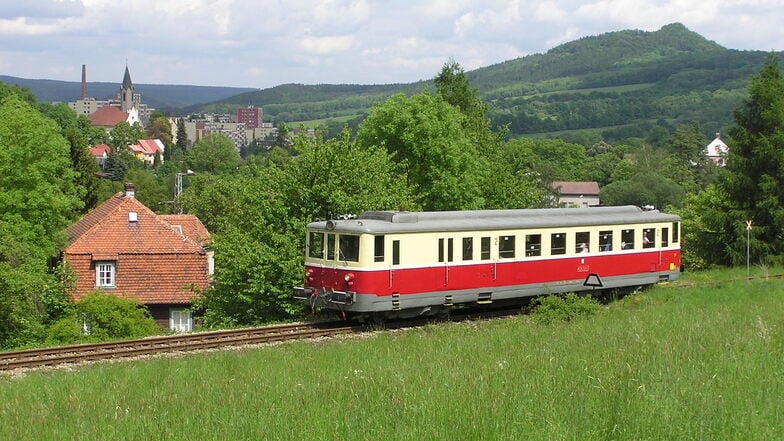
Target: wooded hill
[(615, 85), (611, 86)]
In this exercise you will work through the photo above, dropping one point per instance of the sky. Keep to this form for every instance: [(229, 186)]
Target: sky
[(265, 43)]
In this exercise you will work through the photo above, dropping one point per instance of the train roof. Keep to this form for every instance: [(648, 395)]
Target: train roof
[(381, 222)]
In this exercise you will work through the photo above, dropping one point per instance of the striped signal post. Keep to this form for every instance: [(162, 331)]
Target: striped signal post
[(748, 246)]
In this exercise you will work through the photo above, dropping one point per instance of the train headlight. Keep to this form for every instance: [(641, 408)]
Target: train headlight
[(349, 278), (309, 275)]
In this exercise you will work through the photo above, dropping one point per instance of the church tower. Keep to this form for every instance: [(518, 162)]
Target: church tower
[(127, 96)]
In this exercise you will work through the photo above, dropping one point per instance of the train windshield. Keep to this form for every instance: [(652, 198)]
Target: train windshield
[(349, 248)]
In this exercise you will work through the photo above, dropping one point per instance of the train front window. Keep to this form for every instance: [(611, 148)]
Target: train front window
[(331, 247), (506, 247), (675, 231), (349, 248), (378, 248), (605, 240), (316, 245), (665, 237), (557, 243), (627, 239), (533, 245)]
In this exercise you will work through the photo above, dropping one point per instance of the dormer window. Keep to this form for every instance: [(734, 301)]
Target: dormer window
[(104, 274)]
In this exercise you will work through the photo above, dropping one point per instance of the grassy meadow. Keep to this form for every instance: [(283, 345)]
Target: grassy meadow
[(673, 363)]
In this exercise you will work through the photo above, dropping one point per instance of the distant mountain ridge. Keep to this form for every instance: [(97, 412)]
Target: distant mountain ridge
[(617, 85)]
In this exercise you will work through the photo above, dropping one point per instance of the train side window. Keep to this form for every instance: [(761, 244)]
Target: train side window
[(349, 248), (557, 243), (533, 244), (675, 231), (582, 241), (468, 248), (506, 247), (605, 240), (378, 248), (441, 249), (665, 237), (331, 247), (450, 249), (485, 251), (316, 245), (395, 252), (648, 237), (627, 239)]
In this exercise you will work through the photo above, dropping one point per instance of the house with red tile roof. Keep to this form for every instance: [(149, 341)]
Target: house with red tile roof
[(109, 116), (124, 248), (576, 194), (100, 152), (146, 149)]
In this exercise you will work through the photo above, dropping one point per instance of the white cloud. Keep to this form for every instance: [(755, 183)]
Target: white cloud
[(262, 44), (327, 45)]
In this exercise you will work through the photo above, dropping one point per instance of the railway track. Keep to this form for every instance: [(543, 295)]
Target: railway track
[(183, 343), (34, 358)]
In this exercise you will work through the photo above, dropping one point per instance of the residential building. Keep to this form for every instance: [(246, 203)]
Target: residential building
[(717, 151), (576, 194), (123, 248), (146, 149)]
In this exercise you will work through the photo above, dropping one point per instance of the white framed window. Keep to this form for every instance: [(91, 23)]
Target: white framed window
[(180, 320), (105, 274)]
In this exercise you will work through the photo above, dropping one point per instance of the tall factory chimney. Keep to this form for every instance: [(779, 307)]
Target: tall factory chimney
[(84, 81)]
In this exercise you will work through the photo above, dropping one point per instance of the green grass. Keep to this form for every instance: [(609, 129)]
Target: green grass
[(671, 363)]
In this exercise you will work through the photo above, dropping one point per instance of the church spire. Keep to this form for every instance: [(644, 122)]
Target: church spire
[(127, 84)]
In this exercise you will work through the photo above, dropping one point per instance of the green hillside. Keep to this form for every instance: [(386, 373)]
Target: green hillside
[(618, 84)]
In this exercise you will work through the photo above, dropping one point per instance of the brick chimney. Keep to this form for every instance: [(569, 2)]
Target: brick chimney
[(130, 190)]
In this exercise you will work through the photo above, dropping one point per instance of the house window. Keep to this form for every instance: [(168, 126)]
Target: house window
[(104, 274), (180, 320)]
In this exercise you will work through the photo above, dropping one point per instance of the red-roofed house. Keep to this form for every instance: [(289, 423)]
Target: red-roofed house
[(576, 194), (100, 152), (122, 247), (108, 117), (146, 149)]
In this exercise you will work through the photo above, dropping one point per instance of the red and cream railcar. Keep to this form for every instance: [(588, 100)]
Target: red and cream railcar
[(410, 263)]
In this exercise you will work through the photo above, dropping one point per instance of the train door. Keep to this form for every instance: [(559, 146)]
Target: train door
[(446, 255)]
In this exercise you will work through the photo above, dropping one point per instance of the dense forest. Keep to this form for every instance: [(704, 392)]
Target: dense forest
[(434, 149)]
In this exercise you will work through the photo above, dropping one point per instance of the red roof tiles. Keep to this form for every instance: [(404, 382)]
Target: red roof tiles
[(107, 116), (159, 259)]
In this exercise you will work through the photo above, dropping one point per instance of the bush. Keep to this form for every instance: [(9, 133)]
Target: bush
[(102, 317), (563, 308)]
